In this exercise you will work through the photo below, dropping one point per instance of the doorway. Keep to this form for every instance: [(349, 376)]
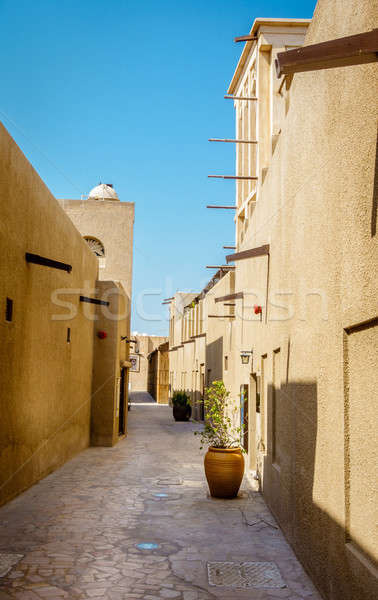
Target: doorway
[(122, 408), (202, 393), (244, 416)]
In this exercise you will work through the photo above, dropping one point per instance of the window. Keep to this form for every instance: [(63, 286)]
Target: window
[(95, 245), (226, 363)]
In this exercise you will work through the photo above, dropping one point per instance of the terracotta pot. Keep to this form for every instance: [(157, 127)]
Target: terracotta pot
[(182, 413), (224, 469)]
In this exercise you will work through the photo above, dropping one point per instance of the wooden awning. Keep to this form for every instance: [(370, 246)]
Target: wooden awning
[(251, 253), (342, 52)]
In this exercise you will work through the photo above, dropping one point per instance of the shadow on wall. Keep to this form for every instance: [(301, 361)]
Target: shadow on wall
[(214, 361), (339, 567)]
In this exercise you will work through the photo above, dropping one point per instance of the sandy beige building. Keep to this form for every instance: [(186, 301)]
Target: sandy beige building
[(158, 373), (141, 349), (107, 226), (306, 256), (62, 367)]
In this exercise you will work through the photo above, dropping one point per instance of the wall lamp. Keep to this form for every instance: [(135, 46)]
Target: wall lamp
[(244, 355)]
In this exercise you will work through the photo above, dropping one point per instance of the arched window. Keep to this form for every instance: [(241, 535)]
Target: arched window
[(96, 246)]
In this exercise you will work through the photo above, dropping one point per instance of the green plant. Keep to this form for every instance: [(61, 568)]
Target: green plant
[(180, 398), (219, 430)]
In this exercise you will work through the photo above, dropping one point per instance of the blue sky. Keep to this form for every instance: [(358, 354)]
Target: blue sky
[(129, 92)]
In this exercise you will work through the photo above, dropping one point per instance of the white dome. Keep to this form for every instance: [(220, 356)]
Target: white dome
[(103, 192)]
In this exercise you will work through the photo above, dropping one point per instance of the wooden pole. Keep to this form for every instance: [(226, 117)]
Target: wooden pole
[(245, 38), (356, 49), (220, 267), (229, 247), (228, 97), (233, 141), (226, 207), (233, 177)]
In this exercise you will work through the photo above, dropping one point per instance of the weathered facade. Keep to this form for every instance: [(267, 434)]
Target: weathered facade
[(305, 296)]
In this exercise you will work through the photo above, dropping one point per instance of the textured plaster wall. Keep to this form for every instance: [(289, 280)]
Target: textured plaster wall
[(112, 223), (109, 355), (316, 208), (45, 381)]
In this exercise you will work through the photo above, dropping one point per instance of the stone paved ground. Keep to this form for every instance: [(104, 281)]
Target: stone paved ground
[(77, 529)]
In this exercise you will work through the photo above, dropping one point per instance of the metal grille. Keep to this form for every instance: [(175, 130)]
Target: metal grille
[(245, 575)]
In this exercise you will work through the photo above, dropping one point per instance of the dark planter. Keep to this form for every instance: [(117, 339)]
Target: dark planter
[(182, 413)]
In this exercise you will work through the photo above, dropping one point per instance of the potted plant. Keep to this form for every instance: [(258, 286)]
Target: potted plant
[(224, 461), (182, 409)]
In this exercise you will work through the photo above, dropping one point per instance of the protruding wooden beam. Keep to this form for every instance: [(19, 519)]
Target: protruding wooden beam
[(342, 52), (47, 262), (233, 141), (229, 247), (226, 207), (221, 316), (167, 299), (251, 253), (93, 301), (221, 267), (233, 177), (236, 296), (245, 38), (229, 97)]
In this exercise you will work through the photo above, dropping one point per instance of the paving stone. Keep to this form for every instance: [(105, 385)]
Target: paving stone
[(77, 529)]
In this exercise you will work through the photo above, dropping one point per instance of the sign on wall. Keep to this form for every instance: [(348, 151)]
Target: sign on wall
[(135, 363)]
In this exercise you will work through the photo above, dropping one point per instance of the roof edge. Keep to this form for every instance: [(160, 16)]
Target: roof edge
[(258, 22)]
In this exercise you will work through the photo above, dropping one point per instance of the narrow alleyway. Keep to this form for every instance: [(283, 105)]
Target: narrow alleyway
[(78, 529)]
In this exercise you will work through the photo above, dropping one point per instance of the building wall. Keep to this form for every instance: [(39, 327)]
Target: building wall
[(110, 366), (45, 380), (158, 374), (315, 355), (112, 223), (145, 345), (201, 339)]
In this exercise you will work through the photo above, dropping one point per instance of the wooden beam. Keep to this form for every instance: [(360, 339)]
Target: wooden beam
[(229, 247), (166, 299), (221, 316), (228, 97), (47, 262), (93, 301), (245, 38), (233, 141), (220, 267), (229, 304), (233, 177), (251, 253), (236, 296), (342, 52), (227, 207)]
